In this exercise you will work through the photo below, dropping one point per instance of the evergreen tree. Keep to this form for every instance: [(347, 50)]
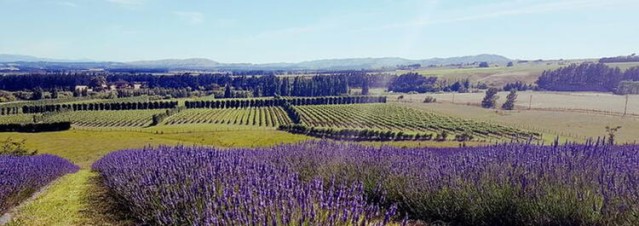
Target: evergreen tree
[(490, 98), (296, 87), (510, 100), (285, 88), (54, 93), (365, 86), (38, 94), (227, 91)]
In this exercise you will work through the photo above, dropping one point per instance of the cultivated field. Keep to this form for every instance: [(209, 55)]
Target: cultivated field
[(137, 118), (574, 126), (386, 117), (255, 116), (603, 103)]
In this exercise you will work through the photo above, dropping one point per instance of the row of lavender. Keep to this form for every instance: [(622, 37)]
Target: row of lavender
[(21, 176), (326, 183), (201, 186)]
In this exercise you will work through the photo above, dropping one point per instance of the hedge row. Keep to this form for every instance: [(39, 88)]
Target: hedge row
[(243, 103), (336, 100), (292, 113), (355, 134), (35, 127), (100, 106), (9, 111), (234, 103), (158, 118)]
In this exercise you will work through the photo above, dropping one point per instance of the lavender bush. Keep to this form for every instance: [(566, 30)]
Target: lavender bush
[(324, 182), (202, 186), (21, 176)]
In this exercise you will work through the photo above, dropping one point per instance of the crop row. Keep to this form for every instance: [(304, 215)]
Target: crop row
[(22, 176), (256, 116), (398, 118), (202, 186)]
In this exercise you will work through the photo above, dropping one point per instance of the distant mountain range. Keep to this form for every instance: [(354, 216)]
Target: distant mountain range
[(24, 62), (6, 58)]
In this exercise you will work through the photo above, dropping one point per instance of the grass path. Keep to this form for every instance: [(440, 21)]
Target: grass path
[(75, 199)]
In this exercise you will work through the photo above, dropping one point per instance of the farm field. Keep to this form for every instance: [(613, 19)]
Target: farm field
[(574, 126), (496, 76), (256, 116), (389, 117), (499, 76), (560, 101)]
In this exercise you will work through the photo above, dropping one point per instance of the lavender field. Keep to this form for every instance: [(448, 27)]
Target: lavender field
[(21, 176), (328, 183)]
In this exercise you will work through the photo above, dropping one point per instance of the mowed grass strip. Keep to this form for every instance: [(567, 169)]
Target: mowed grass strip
[(75, 199)]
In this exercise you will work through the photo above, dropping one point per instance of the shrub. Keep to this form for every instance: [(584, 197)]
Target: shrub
[(430, 99)]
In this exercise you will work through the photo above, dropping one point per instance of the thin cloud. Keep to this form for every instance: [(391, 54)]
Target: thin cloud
[(499, 10), (68, 4), (128, 3), (190, 17)]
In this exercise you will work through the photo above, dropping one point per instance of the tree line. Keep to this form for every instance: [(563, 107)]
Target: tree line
[(279, 101), (259, 85), (586, 77), (414, 82), (620, 59), (99, 106)]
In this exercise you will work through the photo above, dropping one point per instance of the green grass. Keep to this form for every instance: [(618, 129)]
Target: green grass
[(20, 118), (74, 199)]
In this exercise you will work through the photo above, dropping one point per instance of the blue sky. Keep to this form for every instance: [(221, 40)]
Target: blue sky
[(297, 30)]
